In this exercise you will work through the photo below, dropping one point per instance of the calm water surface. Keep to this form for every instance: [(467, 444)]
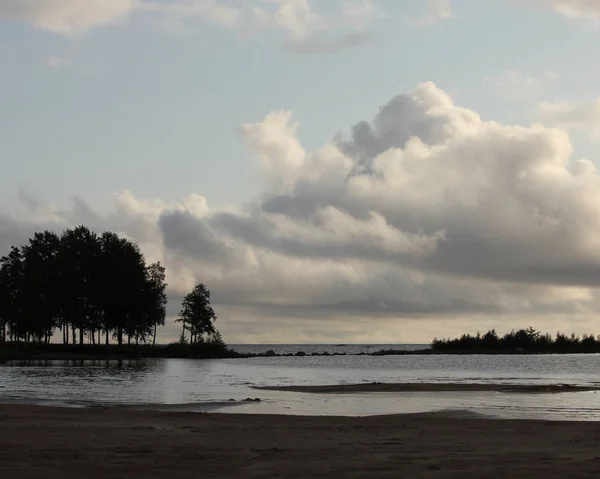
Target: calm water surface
[(192, 385)]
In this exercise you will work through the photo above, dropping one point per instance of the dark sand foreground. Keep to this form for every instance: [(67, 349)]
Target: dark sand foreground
[(430, 387), (40, 442)]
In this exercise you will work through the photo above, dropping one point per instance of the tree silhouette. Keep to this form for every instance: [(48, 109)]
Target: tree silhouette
[(11, 291), (41, 284), (155, 300), (80, 282), (198, 317), (78, 255)]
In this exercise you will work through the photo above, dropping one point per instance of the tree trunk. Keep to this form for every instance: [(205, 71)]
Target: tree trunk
[(128, 339), (99, 331), (93, 335), (73, 335), (81, 333), (154, 338), (106, 333), (120, 335)]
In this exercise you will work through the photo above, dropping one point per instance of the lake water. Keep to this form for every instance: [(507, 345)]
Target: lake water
[(195, 384)]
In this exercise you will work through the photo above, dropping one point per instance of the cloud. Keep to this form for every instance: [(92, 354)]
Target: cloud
[(585, 10), (316, 45), (67, 17), (176, 13), (57, 62), (437, 11), (583, 115), (519, 85), (425, 212), (304, 29), (576, 9)]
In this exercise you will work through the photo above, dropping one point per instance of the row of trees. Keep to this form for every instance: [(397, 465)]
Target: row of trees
[(529, 340), (86, 285)]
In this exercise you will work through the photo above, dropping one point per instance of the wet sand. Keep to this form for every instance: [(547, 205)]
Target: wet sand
[(50, 443), (198, 407), (430, 387)]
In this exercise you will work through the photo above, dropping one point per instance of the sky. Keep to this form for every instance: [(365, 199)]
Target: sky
[(335, 171)]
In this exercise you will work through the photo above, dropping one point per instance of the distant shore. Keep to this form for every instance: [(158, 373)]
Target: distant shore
[(97, 443), (77, 352), (377, 387)]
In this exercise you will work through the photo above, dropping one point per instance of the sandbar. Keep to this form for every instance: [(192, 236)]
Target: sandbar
[(376, 387)]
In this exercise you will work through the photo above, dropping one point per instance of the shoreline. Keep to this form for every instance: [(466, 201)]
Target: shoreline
[(56, 443), (376, 387), (159, 354), (114, 352)]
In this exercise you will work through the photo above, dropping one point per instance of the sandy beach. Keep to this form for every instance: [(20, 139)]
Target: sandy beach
[(44, 442), (376, 387)]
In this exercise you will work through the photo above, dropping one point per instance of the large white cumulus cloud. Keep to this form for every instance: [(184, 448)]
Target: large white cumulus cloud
[(472, 198), (425, 211)]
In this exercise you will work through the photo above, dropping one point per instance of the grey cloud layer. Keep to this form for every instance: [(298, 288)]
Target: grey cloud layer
[(425, 189)]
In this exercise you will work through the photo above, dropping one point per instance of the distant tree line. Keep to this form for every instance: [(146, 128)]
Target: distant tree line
[(90, 287), (526, 340)]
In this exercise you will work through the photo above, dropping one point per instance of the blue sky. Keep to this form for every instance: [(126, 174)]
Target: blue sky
[(134, 106), (151, 98)]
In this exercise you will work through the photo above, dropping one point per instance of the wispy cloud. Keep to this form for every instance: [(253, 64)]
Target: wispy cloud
[(519, 85), (583, 13), (437, 11), (180, 12), (578, 9), (304, 29), (316, 45), (581, 115), (57, 62), (67, 17)]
